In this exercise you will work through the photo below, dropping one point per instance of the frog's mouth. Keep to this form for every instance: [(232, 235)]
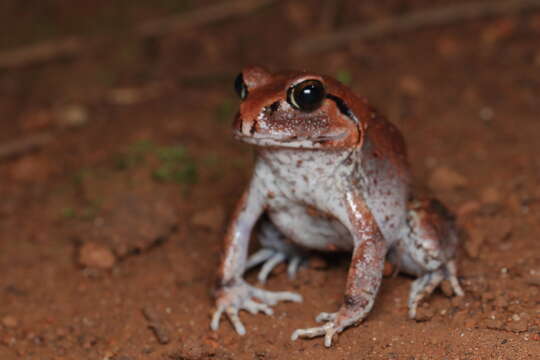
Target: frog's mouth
[(289, 141)]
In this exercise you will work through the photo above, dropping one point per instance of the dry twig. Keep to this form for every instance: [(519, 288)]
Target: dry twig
[(41, 52), (157, 326), (54, 49), (200, 16), (21, 146), (414, 21)]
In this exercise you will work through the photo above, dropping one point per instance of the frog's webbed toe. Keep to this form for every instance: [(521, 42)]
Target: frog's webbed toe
[(275, 250), (270, 258), (241, 296)]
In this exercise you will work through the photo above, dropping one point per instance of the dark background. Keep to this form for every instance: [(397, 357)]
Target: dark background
[(118, 172)]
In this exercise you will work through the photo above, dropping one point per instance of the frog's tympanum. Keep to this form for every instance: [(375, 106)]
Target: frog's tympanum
[(331, 174)]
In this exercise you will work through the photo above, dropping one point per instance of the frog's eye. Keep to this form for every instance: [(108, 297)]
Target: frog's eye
[(307, 95), (240, 86)]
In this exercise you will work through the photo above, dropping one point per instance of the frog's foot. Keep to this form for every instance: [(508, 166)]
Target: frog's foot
[(241, 296), (270, 258), (424, 286), (334, 325)]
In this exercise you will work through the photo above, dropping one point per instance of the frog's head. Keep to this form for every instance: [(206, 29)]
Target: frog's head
[(298, 110)]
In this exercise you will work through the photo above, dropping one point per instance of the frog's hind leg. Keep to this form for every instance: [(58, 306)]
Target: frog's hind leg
[(424, 286), (427, 250), (275, 250)]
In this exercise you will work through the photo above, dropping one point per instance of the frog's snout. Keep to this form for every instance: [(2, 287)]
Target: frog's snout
[(237, 123)]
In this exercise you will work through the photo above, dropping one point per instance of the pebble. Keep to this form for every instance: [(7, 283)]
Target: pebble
[(474, 241), (72, 115), (10, 321), (467, 208), (388, 269), (491, 195), (501, 302), (424, 314), (470, 323), (212, 218), (446, 288), (32, 168), (410, 85), (518, 326), (444, 178), (494, 324), (94, 255)]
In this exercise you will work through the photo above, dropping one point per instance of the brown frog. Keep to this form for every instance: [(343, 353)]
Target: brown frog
[(331, 174)]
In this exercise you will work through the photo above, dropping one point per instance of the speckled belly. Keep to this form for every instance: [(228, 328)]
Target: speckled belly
[(310, 228)]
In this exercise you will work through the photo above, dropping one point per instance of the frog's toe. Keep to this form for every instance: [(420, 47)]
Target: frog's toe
[(241, 296), (451, 274), (269, 265), (324, 316), (259, 257), (256, 307), (421, 288), (270, 258), (294, 265), (232, 313), (328, 330), (273, 297)]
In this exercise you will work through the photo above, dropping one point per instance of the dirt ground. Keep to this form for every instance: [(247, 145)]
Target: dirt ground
[(111, 225)]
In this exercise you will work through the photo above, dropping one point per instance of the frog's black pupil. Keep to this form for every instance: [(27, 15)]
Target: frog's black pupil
[(240, 86), (308, 95)]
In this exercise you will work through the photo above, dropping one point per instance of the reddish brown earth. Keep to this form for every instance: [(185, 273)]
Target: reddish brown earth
[(110, 234)]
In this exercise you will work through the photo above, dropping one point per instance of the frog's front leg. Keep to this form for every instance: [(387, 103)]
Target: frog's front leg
[(233, 293), (364, 277)]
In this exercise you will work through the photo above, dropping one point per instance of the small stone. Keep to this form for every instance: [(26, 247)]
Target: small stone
[(488, 296), (501, 302), (72, 115), (497, 31), (36, 119), (410, 85), (448, 47), (474, 241), (97, 256), (470, 323), (424, 314), (210, 218), (457, 301), (460, 317), (318, 263), (10, 321), (32, 168), (388, 269), (446, 288), (518, 326), (444, 178), (494, 324), (467, 208), (491, 195), (486, 113), (125, 96)]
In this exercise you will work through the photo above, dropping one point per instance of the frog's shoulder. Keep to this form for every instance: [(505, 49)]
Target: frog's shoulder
[(386, 140)]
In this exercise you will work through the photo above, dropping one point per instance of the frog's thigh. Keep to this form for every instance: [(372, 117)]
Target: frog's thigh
[(428, 240), (426, 249)]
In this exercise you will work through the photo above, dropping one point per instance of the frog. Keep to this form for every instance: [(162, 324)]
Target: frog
[(331, 174)]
